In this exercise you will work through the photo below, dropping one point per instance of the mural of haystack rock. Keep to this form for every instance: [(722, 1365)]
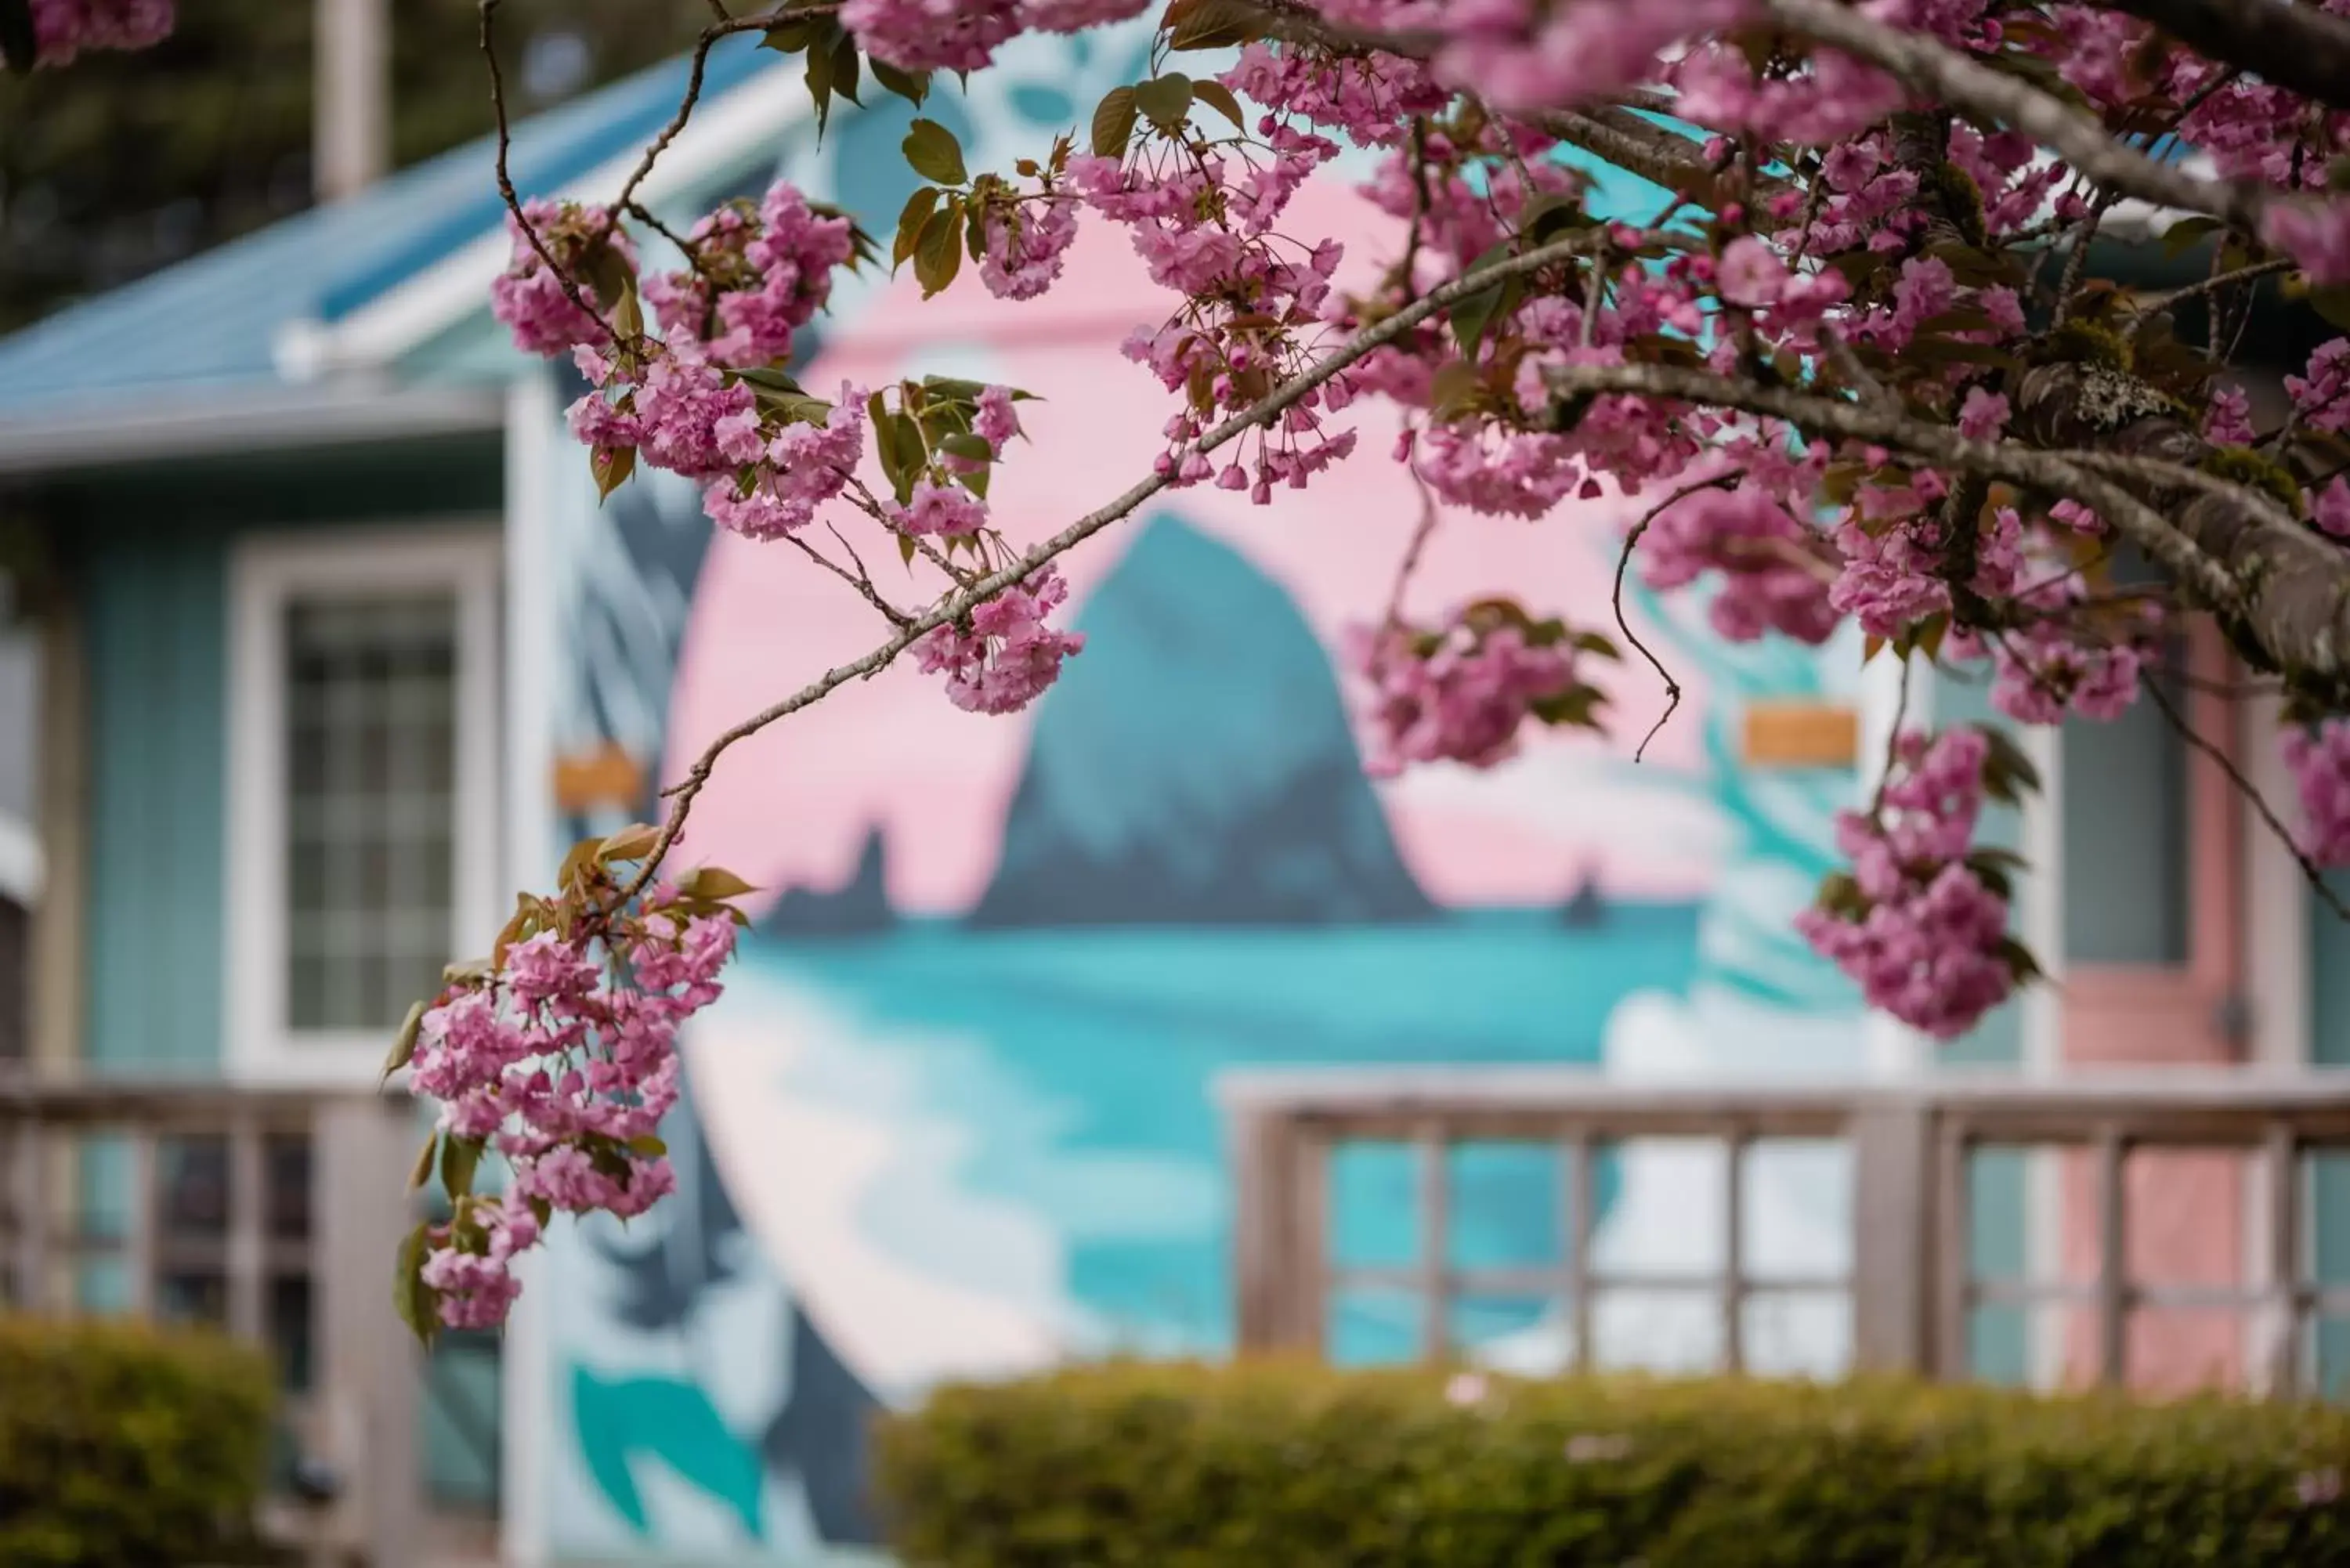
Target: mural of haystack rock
[(954, 1118)]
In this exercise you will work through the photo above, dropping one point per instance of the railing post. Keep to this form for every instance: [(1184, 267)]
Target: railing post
[(1895, 1215), (369, 1368), (2113, 1260), (248, 1238), (1582, 1221), (28, 1213), (1733, 1250), (1435, 1244), (1277, 1234), (141, 1222), (2276, 1362)]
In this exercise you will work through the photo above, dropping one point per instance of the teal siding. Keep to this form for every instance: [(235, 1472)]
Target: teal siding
[(156, 613), (151, 554)]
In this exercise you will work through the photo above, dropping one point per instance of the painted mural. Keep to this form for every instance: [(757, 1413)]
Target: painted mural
[(954, 1116)]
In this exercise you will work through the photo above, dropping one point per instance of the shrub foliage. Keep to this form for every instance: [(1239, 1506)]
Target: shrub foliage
[(1263, 1464), (127, 1446)]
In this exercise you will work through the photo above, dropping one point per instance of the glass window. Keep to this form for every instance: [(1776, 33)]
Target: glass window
[(2125, 837), (371, 782)]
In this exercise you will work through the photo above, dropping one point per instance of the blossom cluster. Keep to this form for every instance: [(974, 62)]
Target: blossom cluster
[(2319, 758), (1920, 921), (560, 1058), (62, 29), (1460, 691)]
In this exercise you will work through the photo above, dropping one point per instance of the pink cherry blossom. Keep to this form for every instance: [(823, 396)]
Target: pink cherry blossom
[(1006, 655), (63, 28), (2319, 758)]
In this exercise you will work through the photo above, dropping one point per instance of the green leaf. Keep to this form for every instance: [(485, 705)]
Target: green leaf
[(632, 843), (1596, 644), (460, 1158), (938, 254), (906, 548), (611, 466), (2181, 236), (844, 68), (1219, 97), (1550, 214), (1166, 99), (911, 86), (956, 390), (1470, 316), (18, 42), (2020, 961), (2008, 772), (791, 37), (1453, 388), (1576, 707), (917, 212), (934, 152), (419, 1303), (2333, 302), (1840, 894), (714, 883), (647, 1145), (1212, 24), (421, 1171), (819, 83), (403, 1045), (1113, 126), (964, 444)]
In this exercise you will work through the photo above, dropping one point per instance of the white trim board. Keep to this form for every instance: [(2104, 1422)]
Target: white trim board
[(722, 134), (266, 571)]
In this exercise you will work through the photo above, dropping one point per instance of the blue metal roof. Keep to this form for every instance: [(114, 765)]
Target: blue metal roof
[(209, 323)]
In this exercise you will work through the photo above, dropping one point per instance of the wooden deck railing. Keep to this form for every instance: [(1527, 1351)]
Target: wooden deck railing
[(276, 1218), (1911, 1283)]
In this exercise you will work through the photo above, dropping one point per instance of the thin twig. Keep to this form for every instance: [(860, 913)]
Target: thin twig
[(2309, 870), (954, 606), (1623, 560), (864, 586), (2165, 300), (1892, 744), (693, 78), (570, 286), (1429, 518)]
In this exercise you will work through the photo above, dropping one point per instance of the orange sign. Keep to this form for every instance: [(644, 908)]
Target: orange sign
[(590, 780), (1802, 735)]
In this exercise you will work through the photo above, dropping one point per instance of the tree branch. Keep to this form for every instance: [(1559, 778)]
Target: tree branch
[(2282, 591), (1935, 71), (956, 604), (2298, 47)]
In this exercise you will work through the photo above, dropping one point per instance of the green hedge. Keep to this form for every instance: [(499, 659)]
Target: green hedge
[(126, 1447), (1275, 1466)]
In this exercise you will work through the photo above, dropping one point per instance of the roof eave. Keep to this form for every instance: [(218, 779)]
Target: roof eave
[(114, 436)]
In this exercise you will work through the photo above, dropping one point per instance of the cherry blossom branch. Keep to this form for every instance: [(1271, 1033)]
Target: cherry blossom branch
[(2296, 46), (2269, 607), (958, 603), (569, 285), (726, 26), (1930, 68)]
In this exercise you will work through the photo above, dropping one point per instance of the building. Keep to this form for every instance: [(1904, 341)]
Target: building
[(344, 651)]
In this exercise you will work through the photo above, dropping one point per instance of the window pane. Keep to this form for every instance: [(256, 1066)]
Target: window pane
[(372, 786), (2124, 788)]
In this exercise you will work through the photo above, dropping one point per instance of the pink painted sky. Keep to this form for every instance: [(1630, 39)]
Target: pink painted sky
[(791, 805)]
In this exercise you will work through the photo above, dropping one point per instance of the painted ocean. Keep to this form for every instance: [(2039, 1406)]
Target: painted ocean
[(1076, 1070)]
